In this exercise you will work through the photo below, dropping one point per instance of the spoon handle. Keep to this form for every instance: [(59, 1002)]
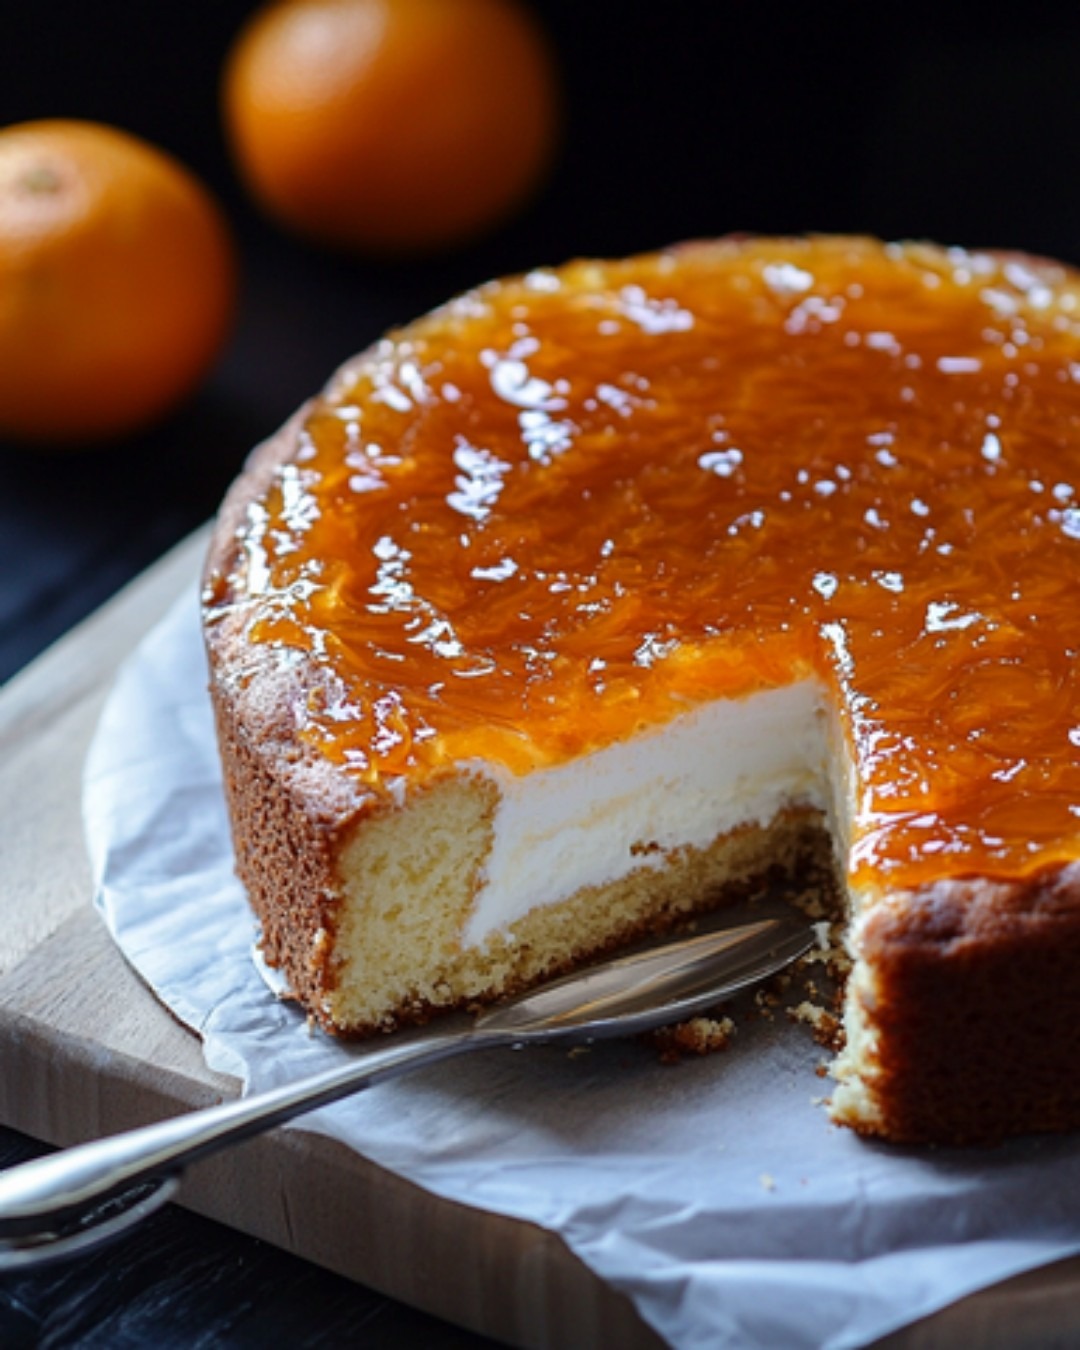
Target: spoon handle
[(73, 1200), (60, 1186)]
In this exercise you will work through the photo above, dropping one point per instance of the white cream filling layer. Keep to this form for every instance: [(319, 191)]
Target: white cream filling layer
[(705, 773)]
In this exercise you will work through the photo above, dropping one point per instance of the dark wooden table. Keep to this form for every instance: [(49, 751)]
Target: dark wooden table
[(681, 121), (184, 1281)]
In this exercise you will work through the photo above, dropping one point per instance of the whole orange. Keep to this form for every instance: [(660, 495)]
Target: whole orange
[(116, 282), (391, 126)]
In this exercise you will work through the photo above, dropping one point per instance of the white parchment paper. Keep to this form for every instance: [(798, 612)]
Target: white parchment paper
[(715, 1194)]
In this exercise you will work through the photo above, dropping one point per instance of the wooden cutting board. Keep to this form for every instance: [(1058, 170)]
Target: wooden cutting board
[(87, 1050)]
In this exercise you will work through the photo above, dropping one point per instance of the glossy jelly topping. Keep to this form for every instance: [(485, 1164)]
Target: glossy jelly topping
[(568, 506)]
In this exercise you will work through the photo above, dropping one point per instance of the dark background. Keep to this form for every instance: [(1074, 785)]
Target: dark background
[(681, 120), (957, 123)]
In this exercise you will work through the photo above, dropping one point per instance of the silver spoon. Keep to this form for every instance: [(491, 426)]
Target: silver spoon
[(75, 1200)]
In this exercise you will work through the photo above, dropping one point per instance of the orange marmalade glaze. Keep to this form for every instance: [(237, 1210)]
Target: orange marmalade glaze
[(568, 506)]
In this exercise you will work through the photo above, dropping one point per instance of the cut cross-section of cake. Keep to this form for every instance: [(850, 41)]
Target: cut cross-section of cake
[(583, 603)]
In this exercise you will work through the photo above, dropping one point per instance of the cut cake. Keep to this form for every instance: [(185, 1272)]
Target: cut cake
[(581, 604)]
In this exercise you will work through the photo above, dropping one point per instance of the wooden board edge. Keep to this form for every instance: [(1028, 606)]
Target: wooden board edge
[(313, 1197)]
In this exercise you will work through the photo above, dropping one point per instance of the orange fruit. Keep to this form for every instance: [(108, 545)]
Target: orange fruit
[(116, 282), (391, 126)]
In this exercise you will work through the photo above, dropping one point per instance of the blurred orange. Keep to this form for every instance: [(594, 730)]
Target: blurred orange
[(116, 282), (391, 126)]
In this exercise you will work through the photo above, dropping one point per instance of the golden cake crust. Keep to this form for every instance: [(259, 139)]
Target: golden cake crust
[(975, 1007), (290, 811)]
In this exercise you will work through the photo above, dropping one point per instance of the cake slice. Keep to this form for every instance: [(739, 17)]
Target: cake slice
[(587, 601)]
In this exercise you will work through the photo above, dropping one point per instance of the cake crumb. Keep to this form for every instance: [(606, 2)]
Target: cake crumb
[(697, 1036), (827, 1027), (766, 999)]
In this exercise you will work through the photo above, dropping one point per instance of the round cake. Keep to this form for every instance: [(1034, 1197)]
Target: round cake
[(583, 603)]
